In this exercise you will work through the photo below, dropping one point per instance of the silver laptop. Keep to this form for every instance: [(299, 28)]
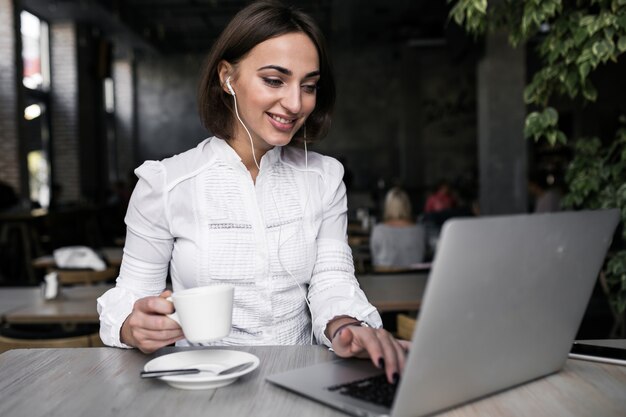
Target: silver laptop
[(503, 303)]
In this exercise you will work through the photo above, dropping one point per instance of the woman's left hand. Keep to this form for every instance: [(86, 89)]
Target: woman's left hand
[(385, 351)]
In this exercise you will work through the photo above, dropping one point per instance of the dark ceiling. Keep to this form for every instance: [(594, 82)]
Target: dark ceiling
[(191, 26)]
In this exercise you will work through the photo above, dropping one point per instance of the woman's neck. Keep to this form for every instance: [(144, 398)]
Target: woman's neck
[(244, 150)]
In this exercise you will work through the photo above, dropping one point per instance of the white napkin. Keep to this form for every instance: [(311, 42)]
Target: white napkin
[(50, 286), (78, 257)]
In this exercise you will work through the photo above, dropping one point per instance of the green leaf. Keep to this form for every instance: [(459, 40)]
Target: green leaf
[(611, 48), (551, 116), (481, 6), (571, 81), (606, 18), (548, 8), (590, 92), (609, 32), (457, 14), (587, 20), (585, 55), (600, 48), (621, 43), (583, 70), (532, 125), (580, 36)]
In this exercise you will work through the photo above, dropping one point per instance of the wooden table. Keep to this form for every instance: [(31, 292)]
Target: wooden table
[(105, 382), (12, 298), (394, 292), (388, 292), (74, 305)]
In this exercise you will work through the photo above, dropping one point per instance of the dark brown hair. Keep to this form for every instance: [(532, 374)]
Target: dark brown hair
[(256, 23)]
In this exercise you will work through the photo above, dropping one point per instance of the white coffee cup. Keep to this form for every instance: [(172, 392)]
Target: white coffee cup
[(204, 313)]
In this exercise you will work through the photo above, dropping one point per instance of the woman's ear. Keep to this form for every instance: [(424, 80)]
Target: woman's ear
[(224, 71)]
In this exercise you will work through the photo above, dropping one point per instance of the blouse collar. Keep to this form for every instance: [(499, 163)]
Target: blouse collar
[(228, 154)]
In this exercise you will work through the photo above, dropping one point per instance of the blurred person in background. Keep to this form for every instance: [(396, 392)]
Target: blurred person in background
[(398, 242), (441, 199)]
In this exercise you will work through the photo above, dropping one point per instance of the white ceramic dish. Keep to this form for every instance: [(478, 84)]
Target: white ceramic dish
[(208, 359)]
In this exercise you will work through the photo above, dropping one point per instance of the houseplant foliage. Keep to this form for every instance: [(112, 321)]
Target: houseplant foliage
[(574, 38)]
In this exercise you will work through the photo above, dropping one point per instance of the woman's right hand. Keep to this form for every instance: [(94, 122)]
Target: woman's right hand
[(147, 327)]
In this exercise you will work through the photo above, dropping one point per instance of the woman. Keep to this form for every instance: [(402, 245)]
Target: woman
[(398, 242), (441, 199), (245, 209)]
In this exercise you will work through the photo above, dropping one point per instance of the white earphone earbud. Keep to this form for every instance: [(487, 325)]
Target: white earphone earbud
[(230, 87)]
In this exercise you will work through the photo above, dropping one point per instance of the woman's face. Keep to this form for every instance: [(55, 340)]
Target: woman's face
[(275, 86)]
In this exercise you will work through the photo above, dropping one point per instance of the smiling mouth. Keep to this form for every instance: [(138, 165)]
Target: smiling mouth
[(281, 120)]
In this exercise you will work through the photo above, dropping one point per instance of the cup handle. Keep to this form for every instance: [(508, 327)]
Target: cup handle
[(173, 316)]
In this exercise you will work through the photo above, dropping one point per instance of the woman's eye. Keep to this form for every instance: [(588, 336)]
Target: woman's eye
[(310, 88), (272, 82)]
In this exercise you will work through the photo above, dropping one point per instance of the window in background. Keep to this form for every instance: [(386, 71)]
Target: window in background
[(37, 138), (35, 52), (109, 95), (109, 120), (36, 127), (39, 174)]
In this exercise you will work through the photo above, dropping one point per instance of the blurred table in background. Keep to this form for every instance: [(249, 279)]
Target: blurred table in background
[(394, 292), (73, 305), (359, 241), (29, 321), (12, 298)]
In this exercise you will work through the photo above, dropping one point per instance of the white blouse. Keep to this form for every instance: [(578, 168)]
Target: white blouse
[(200, 214)]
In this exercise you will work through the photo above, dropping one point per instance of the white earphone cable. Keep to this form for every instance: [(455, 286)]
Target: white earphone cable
[(280, 245), (247, 131), (280, 227)]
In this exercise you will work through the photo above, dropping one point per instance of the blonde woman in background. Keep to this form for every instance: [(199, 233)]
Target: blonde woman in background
[(398, 242)]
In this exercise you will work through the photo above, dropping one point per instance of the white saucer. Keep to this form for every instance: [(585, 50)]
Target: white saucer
[(214, 360)]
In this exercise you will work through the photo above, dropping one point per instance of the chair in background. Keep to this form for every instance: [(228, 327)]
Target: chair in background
[(405, 326), (20, 238)]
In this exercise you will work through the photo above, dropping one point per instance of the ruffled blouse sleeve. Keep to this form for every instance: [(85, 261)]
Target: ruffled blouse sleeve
[(147, 252), (334, 290)]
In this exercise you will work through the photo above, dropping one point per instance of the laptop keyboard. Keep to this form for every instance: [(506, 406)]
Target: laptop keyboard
[(374, 389)]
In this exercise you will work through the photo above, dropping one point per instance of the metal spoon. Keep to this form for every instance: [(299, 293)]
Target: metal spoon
[(189, 371)]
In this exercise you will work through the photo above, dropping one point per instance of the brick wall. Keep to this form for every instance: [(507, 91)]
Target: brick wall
[(64, 117), (9, 144)]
